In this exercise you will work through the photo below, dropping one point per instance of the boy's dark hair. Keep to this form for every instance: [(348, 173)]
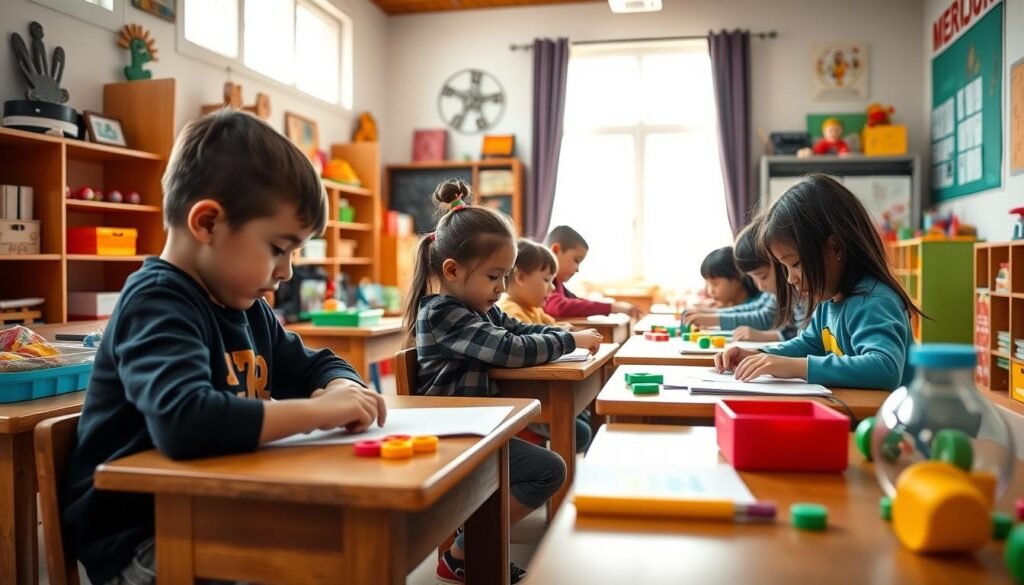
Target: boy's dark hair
[(566, 237), (245, 165), (721, 264), (531, 257), (747, 251), (467, 235), (805, 217)]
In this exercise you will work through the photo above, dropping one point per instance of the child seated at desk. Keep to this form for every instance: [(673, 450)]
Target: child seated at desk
[(460, 334), (757, 320), (193, 354), (570, 250), (825, 243)]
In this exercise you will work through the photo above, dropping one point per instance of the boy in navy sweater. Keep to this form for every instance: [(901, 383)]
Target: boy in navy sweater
[(193, 354)]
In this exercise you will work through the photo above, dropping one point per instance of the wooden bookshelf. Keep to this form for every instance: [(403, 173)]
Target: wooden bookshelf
[(936, 273), (48, 163), (999, 310)]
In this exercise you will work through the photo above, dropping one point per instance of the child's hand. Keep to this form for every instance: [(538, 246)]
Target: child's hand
[(766, 364), (588, 339), (745, 333), (343, 403), (624, 307), (729, 359), (702, 319)]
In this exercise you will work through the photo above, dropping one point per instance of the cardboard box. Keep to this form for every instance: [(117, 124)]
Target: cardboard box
[(885, 140), (16, 202), (19, 237), (91, 305)]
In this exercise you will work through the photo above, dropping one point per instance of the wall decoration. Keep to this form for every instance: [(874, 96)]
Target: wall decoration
[(303, 132), (165, 9), (44, 109), (967, 98), (104, 130), (142, 49), (429, 145), (471, 101), (1017, 118), (840, 72), (233, 99)]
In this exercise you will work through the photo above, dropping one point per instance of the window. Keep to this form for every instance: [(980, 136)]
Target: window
[(108, 14), (640, 159), (294, 42)]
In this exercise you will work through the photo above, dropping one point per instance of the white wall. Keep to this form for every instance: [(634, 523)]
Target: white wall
[(426, 49), (93, 59), (987, 210)]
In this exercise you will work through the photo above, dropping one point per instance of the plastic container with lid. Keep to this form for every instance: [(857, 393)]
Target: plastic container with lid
[(942, 416)]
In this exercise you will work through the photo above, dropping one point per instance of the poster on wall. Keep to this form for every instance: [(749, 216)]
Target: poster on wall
[(967, 90), (840, 72), (1017, 118)]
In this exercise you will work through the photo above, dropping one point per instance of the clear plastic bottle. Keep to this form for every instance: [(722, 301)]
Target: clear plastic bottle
[(941, 400)]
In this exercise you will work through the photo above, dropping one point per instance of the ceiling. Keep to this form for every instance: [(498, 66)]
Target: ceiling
[(412, 6)]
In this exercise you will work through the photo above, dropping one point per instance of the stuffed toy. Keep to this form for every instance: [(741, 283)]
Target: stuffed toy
[(878, 115)]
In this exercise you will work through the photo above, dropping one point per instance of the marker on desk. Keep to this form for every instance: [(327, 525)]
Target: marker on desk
[(671, 508)]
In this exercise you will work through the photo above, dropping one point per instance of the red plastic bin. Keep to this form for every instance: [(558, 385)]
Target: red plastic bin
[(767, 435)]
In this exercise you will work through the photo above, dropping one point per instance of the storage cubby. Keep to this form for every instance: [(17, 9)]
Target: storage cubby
[(996, 312)]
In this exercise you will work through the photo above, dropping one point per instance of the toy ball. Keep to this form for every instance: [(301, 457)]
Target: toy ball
[(115, 196), (134, 198), (85, 194)]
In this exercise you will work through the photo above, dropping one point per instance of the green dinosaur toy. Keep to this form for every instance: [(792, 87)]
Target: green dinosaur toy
[(142, 49)]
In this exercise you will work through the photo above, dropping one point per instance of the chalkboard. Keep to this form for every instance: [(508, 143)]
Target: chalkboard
[(410, 192), (967, 99)]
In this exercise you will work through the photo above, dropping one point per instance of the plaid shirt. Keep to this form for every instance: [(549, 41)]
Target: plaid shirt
[(457, 345)]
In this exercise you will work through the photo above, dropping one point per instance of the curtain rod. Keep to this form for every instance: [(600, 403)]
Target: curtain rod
[(771, 34)]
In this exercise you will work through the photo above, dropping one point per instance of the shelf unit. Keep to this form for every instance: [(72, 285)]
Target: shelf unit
[(936, 273), (999, 311), (365, 231), (48, 163)]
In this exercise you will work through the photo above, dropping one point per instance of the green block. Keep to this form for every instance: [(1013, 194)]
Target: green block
[(892, 446), (1013, 553), (809, 516), (863, 436), (686, 337), (1001, 525), (704, 343), (885, 508), (644, 388), (953, 446), (644, 378), (684, 328), (672, 331)]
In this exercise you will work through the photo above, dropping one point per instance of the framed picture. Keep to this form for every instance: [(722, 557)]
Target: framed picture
[(165, 9), (503, 145), (840, 72), (429, 145), (303, 132), (104, 130)]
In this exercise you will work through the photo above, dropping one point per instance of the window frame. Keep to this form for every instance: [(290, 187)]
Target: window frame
[(112, 19), (237, 64)]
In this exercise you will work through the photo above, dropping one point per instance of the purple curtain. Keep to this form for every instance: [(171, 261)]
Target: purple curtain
[(550, 68), (730, 68)]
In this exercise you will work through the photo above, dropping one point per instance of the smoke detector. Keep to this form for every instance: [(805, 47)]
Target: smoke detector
[(625, 6)]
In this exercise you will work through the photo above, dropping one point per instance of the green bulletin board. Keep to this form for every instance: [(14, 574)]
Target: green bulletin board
[(967, 117)]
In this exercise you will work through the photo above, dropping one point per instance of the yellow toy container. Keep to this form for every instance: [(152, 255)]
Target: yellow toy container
[(938, 508), (885, 140)]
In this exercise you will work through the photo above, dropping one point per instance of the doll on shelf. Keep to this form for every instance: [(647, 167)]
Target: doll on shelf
[(831, 141)]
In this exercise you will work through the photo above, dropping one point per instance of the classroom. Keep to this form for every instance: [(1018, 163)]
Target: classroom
[(511, 291)]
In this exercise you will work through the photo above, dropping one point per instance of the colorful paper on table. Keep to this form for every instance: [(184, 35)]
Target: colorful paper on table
[(442, 422), (577, 355)]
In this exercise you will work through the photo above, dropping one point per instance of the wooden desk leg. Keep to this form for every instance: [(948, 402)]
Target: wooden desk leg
[(487, 533), (174, 545), (356, 357), (563, 436), (18, 538), (375, 550)]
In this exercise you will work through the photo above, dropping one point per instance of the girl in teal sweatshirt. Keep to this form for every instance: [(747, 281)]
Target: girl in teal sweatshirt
[(823, 242)]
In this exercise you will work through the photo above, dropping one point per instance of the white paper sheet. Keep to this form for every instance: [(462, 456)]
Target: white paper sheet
[(443, 422), (711, 382), (577, 355), (693, 348), (666, 481)]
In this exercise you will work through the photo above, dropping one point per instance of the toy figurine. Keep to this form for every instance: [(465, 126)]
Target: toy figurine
[(831, 141), (141, 48)]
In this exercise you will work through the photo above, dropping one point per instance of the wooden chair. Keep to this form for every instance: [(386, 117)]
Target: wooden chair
[(406, 371), (54, 440)]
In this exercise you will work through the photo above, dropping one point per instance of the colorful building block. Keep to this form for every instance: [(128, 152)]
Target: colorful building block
[(1001, 525), (885, 508), (424, 444), (673, 331), (1013, 553), (718, 341), (686, 337), (656, 336), (684, 328), (704, 343), (644, 388), (809, 516), (862, 436), (396, 449), (953, 446), (367, 449), (938, 509), (644, 378), (659, 329)]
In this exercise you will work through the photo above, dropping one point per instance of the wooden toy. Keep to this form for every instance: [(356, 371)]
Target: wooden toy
[(938, 509), (812, 517)]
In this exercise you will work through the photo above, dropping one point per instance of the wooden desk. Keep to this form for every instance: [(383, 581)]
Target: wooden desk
[(614, 328), (322, 515), (19, 555), (653, 319), (359, 346), (616, 400), (640, 351), (858, 547), (563, 390)]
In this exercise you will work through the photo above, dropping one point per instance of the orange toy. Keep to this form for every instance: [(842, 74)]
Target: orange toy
[(938, 508), (879, 115)]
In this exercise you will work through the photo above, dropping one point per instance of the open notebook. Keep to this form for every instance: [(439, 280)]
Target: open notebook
[(578, 355)]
